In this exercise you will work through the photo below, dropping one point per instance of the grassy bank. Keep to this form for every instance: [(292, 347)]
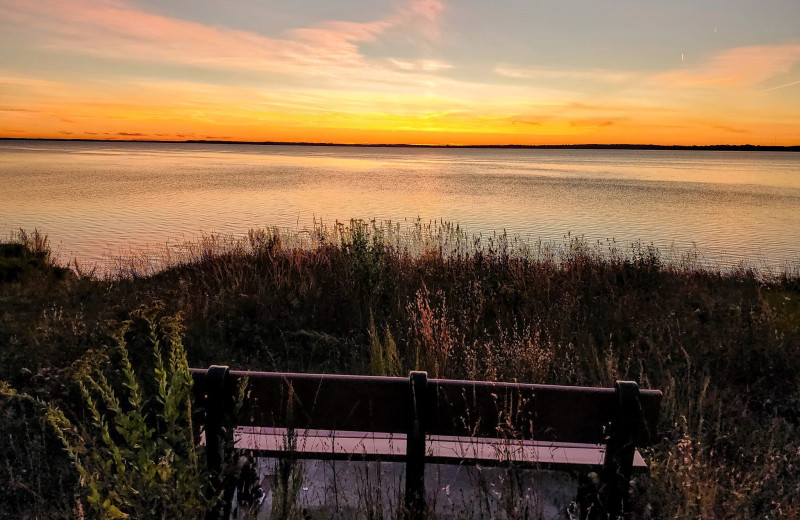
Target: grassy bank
[(723, 346)]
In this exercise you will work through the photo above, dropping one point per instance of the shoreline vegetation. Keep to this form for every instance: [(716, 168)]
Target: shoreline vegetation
[(590, 146), (362, 298)]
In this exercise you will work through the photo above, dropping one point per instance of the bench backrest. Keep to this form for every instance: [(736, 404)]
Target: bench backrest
[(446, 407)]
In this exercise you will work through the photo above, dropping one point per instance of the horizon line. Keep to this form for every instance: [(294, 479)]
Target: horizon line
[(629, 146)]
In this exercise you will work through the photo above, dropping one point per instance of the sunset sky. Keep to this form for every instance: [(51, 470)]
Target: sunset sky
[(404, 71)]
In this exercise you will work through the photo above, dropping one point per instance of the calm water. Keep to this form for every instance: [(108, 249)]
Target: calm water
[(97, 200)]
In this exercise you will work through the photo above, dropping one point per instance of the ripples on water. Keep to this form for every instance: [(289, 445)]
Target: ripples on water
[(97, 200)]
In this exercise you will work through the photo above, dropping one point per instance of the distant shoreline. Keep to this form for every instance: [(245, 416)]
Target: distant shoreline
[(713, 147)]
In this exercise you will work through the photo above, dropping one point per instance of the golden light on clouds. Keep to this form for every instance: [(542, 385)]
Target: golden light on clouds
[(117, 69)]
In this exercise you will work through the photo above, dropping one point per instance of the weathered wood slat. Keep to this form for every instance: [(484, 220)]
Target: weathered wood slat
[(439, 449)]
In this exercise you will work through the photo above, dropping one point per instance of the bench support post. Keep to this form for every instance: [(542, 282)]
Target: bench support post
[(415, 447), (620, 449), (218, 438)]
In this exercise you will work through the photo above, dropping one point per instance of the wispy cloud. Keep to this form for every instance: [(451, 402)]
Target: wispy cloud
[(596, 75), (741, 66), (420, 65), (737, 67), (731, 129), (10, 81), (116, 29), (23, 110), (793, 83)]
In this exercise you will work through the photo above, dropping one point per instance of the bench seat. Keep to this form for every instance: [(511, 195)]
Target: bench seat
[(439, 449)]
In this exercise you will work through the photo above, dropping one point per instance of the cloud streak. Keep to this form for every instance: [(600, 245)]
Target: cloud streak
[(541, 73), (732, 68), (420, 65), (793, 83), (115, 29), (738, 67)]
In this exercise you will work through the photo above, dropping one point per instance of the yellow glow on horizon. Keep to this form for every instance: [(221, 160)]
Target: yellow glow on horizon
[(168, 111), (232, 124), (333, 92)]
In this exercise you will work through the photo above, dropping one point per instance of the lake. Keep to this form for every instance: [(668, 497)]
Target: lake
[(100, 200)]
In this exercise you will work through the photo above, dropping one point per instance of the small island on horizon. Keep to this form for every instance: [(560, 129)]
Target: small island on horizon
[(588, 146)]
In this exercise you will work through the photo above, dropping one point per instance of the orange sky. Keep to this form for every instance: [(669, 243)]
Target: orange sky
[(419, 71)]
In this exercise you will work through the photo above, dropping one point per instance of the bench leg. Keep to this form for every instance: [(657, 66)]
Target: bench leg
[(219, 436), (415, 447), (620, 448)]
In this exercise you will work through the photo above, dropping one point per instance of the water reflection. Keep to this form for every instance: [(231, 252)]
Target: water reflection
[(97, 198)]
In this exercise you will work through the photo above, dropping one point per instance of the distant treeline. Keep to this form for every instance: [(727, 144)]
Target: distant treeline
[(621, 146)]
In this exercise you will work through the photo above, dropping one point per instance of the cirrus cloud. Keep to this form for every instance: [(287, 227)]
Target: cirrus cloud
[(597, 75), (116, 29), (740, 66)]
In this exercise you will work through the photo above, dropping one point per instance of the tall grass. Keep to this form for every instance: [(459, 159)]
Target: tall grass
[(371, 297)]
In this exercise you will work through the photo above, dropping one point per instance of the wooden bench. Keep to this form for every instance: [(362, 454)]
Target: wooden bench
[(417, 420)]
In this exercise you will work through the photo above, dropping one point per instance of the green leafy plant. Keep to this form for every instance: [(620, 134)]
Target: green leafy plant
[(135, 451), (384, 359)]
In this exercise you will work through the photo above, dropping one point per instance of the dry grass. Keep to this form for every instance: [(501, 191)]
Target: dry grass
[(724, 346)]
